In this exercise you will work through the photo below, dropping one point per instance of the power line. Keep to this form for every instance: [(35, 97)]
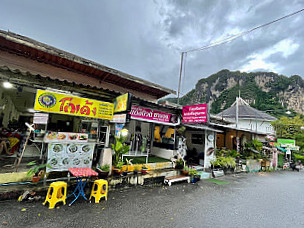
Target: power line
[(230, 38), (223, 41)]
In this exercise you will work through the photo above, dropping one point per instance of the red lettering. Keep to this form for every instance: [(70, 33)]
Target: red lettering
[(63, 100)]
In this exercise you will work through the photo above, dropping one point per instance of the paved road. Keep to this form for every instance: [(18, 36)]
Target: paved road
[(249, 200)]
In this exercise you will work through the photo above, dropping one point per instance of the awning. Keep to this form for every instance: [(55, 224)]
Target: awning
[(281, 149), (202, 127)]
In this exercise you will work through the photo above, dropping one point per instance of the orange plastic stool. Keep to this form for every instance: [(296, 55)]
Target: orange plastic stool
[(99, 190), (56, 193)]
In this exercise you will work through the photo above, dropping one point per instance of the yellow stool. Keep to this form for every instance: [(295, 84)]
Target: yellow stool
[(99, 189), (56, 193)]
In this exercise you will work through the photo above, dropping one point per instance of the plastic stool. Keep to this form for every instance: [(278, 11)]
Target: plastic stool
[(99, 189), (56, 193)]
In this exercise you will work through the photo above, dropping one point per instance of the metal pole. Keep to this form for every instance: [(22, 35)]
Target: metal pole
[(180, 76), (237, 125)]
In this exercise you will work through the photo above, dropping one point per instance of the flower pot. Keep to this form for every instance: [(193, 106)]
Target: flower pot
[(117, 171), (102, 174), (184, 172), (193, 179), (36, 179)]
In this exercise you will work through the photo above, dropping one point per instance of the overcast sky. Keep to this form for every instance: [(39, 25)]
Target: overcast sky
[(145, 37)]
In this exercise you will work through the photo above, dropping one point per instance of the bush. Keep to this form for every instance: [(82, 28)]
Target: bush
[(299, 157)]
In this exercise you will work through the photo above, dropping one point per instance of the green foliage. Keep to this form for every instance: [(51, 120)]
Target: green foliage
[(35, 169), (223, 162), (298, 157), (119, 164), (119, 148), (289, 127), (179, 164), (192, 172), (246, 84), (254, 144), (105, 168), (186, 168)]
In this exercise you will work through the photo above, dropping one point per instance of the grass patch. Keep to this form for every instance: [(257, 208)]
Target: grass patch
[(142, 160), (215, 181)]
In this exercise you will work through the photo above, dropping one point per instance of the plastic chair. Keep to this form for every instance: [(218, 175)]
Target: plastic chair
[(99, 190), (56, 193)]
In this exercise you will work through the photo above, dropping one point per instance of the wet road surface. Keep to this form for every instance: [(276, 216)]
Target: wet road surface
[(249, 200)]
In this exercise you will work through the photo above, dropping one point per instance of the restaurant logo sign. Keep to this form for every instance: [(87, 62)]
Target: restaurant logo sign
[(151, 115), (47, 101), (195, 113)]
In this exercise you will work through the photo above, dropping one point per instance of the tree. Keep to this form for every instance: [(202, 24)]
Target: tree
[(290, 128)]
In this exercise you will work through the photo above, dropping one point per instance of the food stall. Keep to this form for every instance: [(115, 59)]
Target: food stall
[(78, 148), (151, 131)]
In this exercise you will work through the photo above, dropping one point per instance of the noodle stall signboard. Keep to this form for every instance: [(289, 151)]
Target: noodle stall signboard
[(62, 156), (47, 101)]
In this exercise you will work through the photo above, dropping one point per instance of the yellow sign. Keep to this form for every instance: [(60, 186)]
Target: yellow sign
[(121, 103), (47, 101)]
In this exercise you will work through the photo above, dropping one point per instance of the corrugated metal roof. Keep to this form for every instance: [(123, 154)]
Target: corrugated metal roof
[(245, 111), (94, 91), (41, 52)]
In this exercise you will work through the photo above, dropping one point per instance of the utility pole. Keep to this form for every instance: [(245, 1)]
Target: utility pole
[(237, 125), (180, 76)]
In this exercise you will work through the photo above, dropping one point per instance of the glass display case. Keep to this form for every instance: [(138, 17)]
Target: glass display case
[(90, 127)]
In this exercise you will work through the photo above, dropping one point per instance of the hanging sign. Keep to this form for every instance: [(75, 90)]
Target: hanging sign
[(47, 101), (151, 115), (40, 118), (120, 118), (287, 142), (122, 103), (195, 113)]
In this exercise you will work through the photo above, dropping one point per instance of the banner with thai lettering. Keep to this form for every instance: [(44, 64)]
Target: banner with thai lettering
[(122, 103), (48, 101), (151, 115), (195, 113)]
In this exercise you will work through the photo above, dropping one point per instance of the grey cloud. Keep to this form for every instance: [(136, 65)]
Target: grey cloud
[(145, 38)]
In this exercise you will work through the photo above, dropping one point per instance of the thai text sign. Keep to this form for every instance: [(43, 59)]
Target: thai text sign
[(287, 142), (195, 113), (41, 118), (151, 115), (47, 101), (122, 103)]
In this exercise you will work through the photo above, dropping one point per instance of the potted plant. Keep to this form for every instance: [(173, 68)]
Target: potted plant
[(193, 174), (119, 148), (117, 168), (36, 171), (144, 169), (136, 169), (185, 170), (179, 164), (103, 171)]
